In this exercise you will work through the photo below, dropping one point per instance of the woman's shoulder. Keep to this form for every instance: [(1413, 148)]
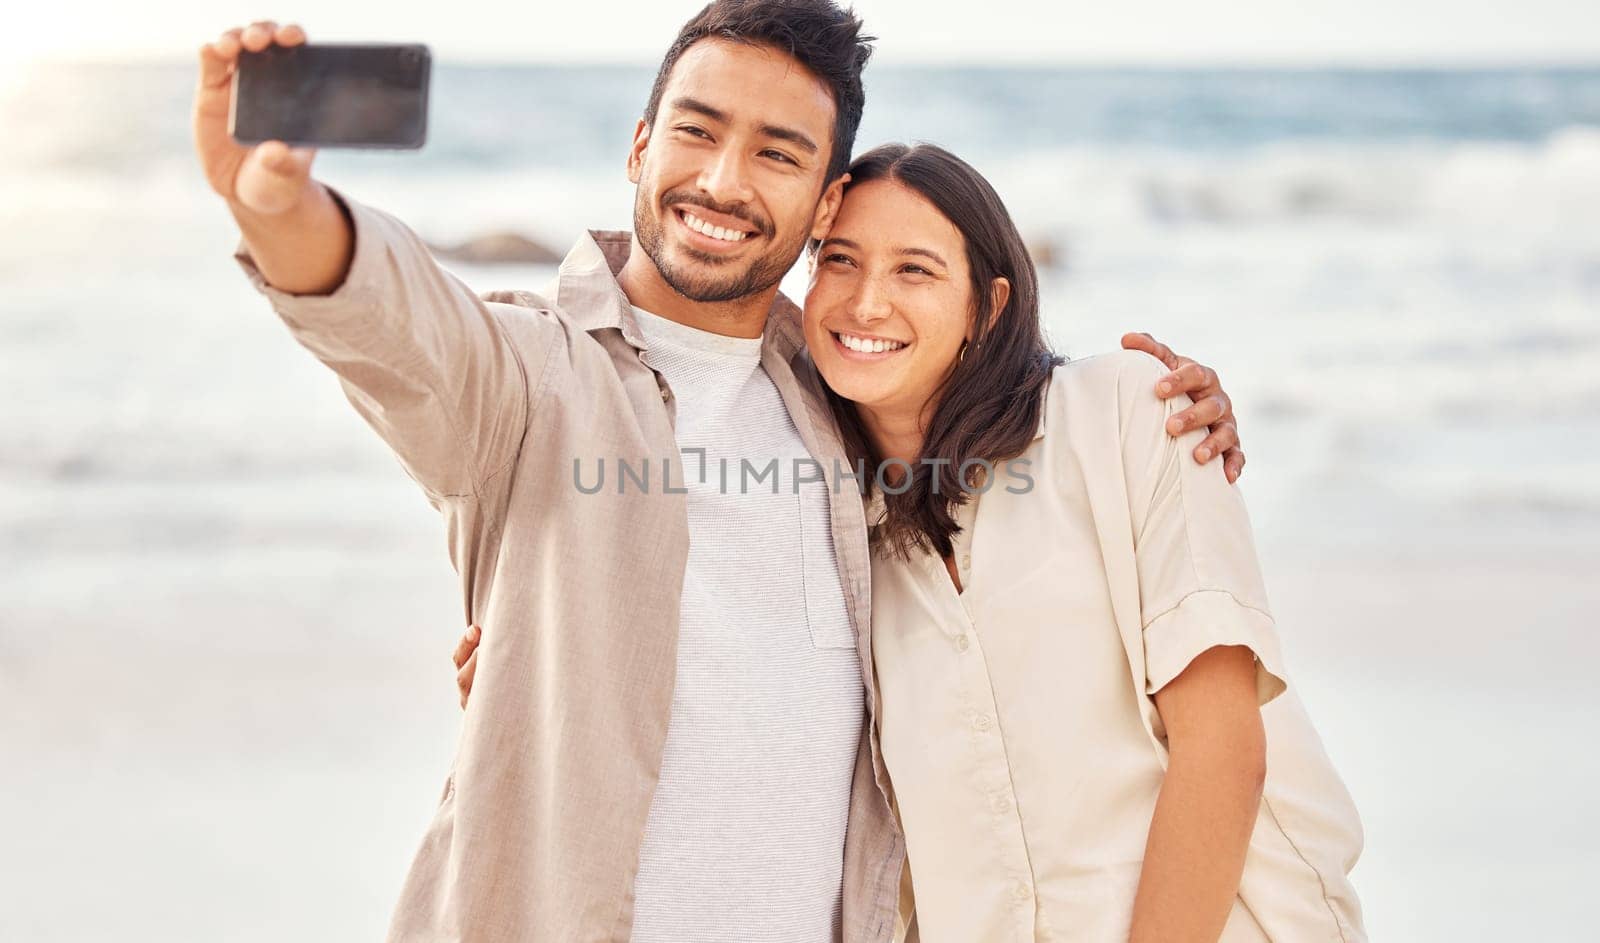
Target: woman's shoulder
[(1119, 380)]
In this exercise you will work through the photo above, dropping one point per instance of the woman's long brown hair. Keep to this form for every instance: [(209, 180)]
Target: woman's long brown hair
[(989, 408)]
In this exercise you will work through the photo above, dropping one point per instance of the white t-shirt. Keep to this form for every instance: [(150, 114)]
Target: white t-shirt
[(745, 838)]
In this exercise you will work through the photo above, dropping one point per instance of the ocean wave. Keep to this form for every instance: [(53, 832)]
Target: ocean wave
[(1534, 185), (1541, 186)]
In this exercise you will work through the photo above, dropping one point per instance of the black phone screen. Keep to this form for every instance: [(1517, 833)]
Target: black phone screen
[(332, 96)]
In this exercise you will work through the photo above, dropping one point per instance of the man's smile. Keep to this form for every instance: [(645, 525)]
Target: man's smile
[(712, 231)]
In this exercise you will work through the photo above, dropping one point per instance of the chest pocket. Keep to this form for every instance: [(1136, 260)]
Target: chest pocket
[(826, 612)]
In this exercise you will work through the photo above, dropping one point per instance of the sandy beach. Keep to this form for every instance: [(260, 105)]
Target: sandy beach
[(246, 743)]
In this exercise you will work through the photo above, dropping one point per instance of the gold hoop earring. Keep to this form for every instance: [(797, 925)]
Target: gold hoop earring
[(963, 355)]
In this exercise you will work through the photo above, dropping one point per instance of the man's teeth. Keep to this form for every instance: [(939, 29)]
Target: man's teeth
[(716, 232), (868, 345)]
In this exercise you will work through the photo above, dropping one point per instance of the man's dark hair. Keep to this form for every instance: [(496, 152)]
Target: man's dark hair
[(820, 35)]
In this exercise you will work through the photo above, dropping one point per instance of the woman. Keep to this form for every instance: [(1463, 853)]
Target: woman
[(1069, 628)]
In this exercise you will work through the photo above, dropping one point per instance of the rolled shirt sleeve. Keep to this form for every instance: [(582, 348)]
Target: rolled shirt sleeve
[(422, 358), (1200, 583)]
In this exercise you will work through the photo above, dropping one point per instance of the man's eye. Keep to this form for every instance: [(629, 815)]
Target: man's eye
[(691, 129), (779, 156)]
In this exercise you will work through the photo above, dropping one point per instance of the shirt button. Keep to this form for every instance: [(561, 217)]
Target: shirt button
[(1022, 891), (982, 722), (966, 561), (962, 643), (1002, 804)]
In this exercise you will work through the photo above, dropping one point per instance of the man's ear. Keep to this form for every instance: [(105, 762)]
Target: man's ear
[(999, 294), (828, 207), (641, 140)]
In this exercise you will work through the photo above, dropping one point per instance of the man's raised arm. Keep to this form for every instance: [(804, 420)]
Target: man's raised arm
[(430, 366)]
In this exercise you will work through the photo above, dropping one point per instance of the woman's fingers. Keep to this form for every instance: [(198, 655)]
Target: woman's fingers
[(466, 661), (464, 678), (467, 645)]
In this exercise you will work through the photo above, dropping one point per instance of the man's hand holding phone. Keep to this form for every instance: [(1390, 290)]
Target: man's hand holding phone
[(267, 179)]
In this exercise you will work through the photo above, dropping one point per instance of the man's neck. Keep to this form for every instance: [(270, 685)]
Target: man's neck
[(641, 281)]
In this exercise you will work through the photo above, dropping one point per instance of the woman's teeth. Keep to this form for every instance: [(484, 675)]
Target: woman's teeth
[(868, 345), (716, 232)]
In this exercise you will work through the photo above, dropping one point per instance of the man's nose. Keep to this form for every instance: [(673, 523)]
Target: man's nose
[(725, 179)]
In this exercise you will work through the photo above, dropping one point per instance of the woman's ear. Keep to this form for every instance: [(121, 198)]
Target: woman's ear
[(999, 294)]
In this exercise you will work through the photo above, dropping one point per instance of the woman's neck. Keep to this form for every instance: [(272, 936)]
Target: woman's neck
[(895, 434)]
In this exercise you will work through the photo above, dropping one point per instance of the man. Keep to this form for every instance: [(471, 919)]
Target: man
[(669, 737)]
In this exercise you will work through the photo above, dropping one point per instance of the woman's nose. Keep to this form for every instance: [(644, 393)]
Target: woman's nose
[(871, 302)]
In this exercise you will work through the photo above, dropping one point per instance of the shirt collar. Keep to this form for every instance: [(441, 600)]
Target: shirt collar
[(588, 293)]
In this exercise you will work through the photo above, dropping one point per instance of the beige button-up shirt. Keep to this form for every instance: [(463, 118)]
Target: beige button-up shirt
[(489, 403), (1016, 716)]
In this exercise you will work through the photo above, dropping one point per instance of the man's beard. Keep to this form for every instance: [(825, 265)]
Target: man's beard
[(758, 275)]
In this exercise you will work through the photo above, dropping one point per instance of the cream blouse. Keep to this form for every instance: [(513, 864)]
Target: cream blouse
[(1018, 723)]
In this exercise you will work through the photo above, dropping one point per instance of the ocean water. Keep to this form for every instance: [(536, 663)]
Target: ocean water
[(224, 612)]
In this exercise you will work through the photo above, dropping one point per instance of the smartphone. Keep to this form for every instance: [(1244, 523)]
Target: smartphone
[(361, 95)]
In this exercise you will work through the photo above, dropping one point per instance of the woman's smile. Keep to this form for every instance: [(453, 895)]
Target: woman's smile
[(866, 347)]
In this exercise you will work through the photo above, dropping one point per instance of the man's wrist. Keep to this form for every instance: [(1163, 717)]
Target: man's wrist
[(305, 250)]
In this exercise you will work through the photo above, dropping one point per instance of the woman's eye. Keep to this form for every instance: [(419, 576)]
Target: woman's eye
[(836, 257), (916, 270)]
